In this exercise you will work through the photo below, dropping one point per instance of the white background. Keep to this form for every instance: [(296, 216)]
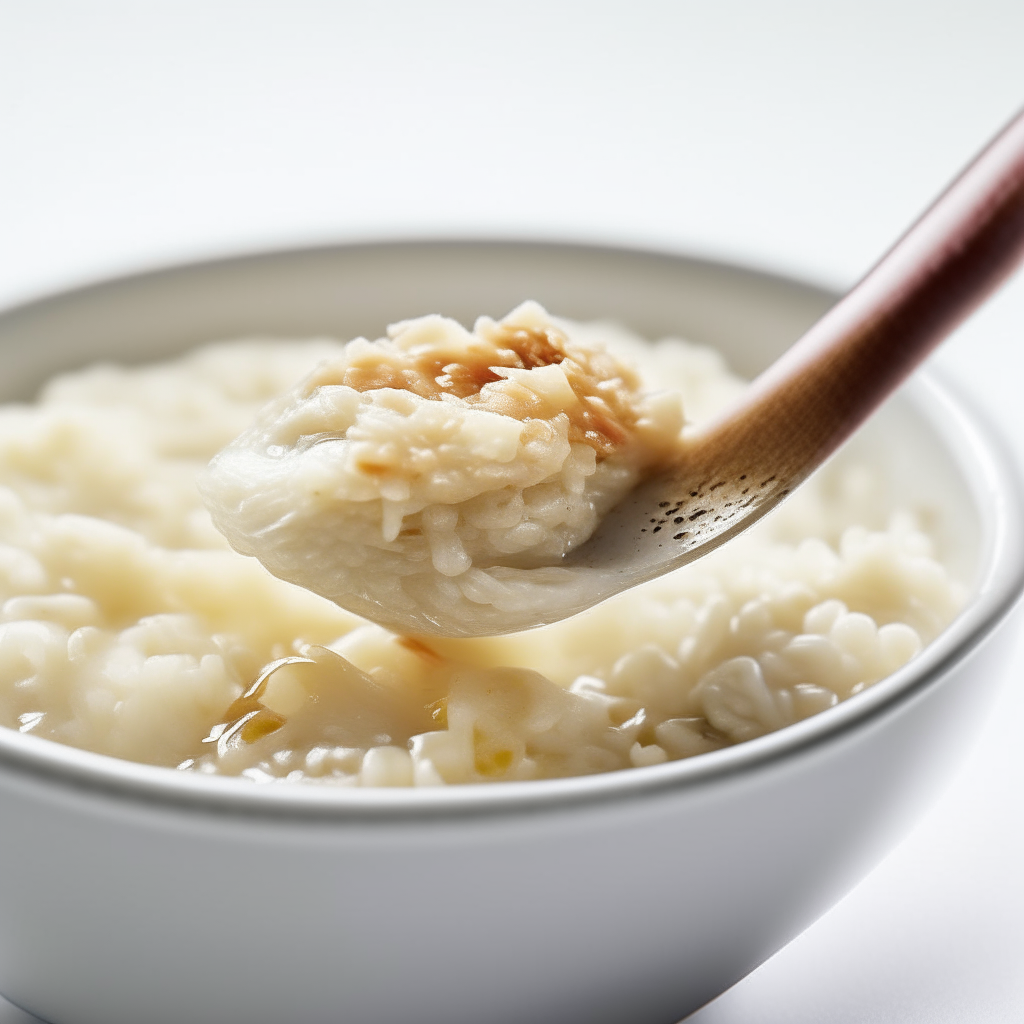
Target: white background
[(799, 136)]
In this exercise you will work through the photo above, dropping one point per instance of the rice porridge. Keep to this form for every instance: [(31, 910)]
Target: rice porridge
[(131, 628)]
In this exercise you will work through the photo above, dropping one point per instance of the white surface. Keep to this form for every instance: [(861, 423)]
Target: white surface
[(801, 136)]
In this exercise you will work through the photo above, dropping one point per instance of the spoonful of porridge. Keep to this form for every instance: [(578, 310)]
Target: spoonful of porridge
[(473, 483)]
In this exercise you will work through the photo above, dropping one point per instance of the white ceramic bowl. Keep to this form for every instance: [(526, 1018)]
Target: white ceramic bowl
[(130, 893)]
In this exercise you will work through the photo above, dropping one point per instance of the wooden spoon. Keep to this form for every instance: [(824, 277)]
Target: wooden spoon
[(734, 470), (731, 472)]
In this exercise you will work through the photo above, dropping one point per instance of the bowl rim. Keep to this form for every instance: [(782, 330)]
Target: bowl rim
[(981, 457)]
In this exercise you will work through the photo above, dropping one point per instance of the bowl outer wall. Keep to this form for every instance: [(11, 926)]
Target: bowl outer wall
[(125, 896), (644, 912)]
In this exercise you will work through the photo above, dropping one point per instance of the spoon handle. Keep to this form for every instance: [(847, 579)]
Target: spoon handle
[(805, 405)]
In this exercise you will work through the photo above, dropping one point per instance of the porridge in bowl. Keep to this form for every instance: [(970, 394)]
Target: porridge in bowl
[(129, 627)]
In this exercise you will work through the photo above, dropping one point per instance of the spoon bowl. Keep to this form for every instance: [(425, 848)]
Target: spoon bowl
[(416, 577)]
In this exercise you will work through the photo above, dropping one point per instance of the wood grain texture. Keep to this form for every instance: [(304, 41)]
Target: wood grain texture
[(805, 405), (734, 470)]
